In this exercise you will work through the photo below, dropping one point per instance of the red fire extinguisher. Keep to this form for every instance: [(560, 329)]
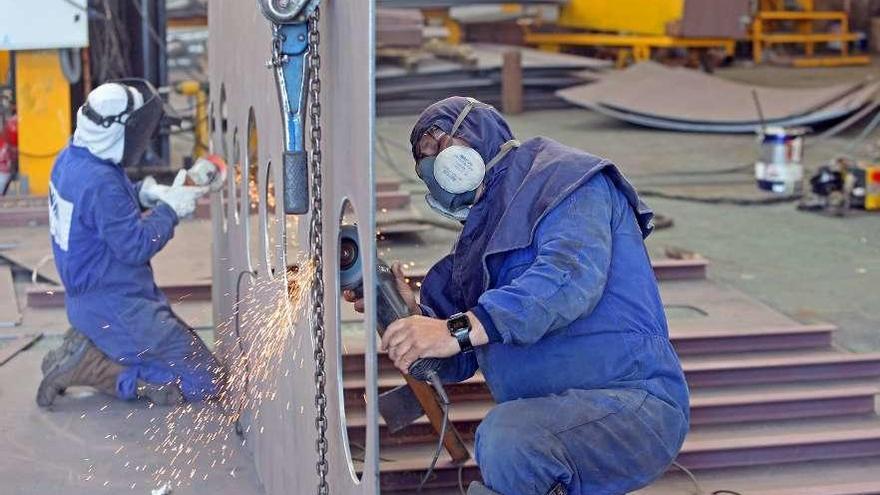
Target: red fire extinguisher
[(8, 152)]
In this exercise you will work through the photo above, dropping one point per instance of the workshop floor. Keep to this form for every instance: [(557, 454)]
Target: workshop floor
[(810, 267)]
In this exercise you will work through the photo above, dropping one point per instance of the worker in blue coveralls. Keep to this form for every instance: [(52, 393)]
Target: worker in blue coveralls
[(125, 341), (550, 293)]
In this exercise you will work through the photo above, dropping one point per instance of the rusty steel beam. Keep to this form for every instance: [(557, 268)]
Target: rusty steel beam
[(53, 297)]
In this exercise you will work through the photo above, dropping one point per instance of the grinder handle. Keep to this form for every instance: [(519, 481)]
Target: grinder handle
[(391, 306)]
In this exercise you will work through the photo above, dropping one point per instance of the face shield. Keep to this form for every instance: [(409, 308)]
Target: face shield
[(143, 113)]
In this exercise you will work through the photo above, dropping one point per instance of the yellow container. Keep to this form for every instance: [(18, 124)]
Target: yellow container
[(625, 16)]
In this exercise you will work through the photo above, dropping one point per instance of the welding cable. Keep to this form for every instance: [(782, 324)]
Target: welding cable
[(720, 171), (846, 124), (430, 471), (868, 129), (237, 327), (697, 485), (437, 384), (720, 200)]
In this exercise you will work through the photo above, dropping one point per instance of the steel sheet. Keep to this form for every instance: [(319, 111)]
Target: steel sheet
[(246, 288)]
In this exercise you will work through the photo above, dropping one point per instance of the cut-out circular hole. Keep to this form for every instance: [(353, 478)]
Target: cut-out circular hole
[(351, 274), (224, 124), (237, 174), (272, 240), (252, 165), (224, 199), (212, 127)]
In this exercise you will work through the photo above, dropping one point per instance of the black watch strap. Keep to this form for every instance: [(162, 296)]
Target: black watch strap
[(459, 326)]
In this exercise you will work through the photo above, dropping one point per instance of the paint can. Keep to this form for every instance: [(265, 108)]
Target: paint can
[(779, 168)]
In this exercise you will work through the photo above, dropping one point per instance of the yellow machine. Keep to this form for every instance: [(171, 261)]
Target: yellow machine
[(635, 27), (42, 96), (35, 33), (646, 17), (771, 26)]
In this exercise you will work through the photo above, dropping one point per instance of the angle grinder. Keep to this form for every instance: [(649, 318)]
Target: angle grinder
[(390, 305)]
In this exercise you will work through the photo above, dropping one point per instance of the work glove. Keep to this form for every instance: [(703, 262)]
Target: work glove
[(148, 195), (182, 199), (210, 172)]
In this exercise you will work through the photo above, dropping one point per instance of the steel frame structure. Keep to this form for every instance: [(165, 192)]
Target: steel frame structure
[(252, 251)]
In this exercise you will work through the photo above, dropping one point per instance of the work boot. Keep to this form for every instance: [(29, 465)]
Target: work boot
[(71, 339), (161, 395), (82, 364)]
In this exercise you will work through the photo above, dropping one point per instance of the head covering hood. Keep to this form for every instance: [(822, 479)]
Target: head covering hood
[(484, 129), (106, 143)]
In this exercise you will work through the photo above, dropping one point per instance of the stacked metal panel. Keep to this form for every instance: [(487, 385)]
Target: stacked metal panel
[(402, 92), (681, 99)]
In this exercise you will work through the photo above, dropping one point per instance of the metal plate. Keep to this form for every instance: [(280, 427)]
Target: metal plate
[(282, 435)]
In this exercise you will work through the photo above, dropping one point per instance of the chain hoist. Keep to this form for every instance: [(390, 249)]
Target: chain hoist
[(296, 60)]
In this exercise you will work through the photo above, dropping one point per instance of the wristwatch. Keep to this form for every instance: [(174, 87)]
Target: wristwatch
[(460, 327)]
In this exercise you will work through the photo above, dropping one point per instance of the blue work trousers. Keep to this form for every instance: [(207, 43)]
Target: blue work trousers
[(593, 442), (182, 358)]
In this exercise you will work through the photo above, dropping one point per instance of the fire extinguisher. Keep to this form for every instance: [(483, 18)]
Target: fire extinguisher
[(8, 152)]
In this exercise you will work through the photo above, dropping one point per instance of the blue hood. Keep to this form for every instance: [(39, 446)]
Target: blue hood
[(483, 128)]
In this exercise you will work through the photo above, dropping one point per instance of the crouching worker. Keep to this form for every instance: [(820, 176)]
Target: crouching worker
[(125, 341), (550, 293)]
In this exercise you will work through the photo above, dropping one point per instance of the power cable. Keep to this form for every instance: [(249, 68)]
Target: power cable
[(445, 405), (720, 200), (700, 490), (866, 131)]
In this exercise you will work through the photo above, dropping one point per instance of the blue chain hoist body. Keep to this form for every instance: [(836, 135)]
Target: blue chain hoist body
[(290, 50)]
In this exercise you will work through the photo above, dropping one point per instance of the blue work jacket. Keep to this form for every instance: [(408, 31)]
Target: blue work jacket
[(552, 261), (103, 242)]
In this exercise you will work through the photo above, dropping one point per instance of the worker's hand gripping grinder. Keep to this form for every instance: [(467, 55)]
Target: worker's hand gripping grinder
[(390, 305)]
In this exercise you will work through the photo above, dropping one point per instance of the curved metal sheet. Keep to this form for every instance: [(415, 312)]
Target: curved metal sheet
[(248, 294)]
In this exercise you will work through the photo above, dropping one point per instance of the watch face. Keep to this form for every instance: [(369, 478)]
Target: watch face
[(458, 322)]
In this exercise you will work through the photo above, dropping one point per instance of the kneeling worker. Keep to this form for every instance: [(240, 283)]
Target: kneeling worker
[(549, 291), (125, 341)]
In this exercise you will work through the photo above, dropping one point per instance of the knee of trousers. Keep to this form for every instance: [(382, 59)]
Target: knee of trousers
[(516, 457), (201, 380)]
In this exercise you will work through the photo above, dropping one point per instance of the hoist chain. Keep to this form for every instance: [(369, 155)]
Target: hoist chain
[(317, 245)]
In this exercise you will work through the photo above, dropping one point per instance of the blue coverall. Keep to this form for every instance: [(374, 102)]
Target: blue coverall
[(552, 262), (103, 242)]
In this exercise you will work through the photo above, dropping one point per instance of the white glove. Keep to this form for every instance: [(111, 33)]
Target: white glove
[(148, 195), (207, 173), (182, 199)]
